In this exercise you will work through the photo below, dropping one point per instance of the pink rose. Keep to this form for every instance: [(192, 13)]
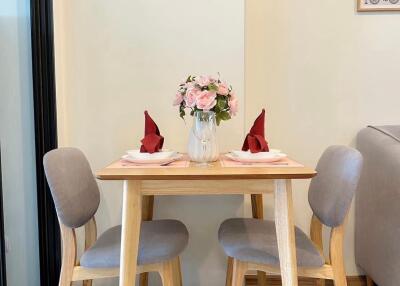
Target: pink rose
[(206, 100), (191, 96), (204, 80), (189, 84), (178, 99), (233, 105), (223, 89)]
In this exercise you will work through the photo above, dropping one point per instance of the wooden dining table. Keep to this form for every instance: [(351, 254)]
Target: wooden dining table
[(140, 183)]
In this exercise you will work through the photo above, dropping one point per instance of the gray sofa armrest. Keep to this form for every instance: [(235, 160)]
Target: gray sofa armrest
[(377, 237)]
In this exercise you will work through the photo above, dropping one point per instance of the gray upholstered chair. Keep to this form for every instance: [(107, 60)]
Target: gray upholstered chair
[(76, 198), (252, 244)]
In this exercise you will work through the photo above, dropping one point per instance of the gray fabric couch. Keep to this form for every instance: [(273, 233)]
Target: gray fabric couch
[(377, 239)]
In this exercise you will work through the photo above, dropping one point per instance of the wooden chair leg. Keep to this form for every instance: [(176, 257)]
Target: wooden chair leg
[(177, 272), (90, 239), (229, 271), (68, 255), (336, 255), (238, 273), (167, 273), (66, 274), (370, 282), (339, 276), (316, 236)]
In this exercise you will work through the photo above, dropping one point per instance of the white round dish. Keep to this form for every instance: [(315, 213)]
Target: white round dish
[(163, 154), (255, 156), (130, 159), (271, 159)]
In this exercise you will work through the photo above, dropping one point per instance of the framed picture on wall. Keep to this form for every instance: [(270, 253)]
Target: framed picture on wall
[(378, 5)]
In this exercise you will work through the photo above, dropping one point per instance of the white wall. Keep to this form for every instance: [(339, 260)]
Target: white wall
[(324, 72), (17, 144), (117, 58)]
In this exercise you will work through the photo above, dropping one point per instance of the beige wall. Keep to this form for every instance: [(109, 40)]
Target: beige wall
[(117, 58), (324, 72)]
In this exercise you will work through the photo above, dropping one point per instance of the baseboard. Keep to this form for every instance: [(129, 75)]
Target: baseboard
[(275, 280)]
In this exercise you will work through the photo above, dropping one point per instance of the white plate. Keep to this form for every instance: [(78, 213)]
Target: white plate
[(128, 158), (163, 154), (276, 157), (256, 156)]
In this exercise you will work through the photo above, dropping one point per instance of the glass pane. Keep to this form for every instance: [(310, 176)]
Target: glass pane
[(17, 144)]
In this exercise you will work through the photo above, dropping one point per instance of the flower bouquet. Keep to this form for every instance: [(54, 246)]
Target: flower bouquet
[(206, 93), (210, 101)]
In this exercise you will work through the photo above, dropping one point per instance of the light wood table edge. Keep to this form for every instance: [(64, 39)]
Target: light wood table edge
[(215, 172), (105, 176)]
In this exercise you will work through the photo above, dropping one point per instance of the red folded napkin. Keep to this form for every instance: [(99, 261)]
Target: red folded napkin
[(152, 141), (255, 140)]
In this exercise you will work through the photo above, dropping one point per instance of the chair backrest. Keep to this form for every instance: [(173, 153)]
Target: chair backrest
[(74, 189), (332, 190)]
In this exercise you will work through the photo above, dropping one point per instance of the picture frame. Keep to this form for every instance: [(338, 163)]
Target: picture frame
[(378, 5)]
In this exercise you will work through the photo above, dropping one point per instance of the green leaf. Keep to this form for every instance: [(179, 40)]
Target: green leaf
[(221, 103), (182, 112), (224, 115), (218, 120), (212, 87)]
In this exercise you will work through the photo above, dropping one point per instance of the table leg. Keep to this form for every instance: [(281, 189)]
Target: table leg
[(285, 232), (131, 220), (257, 208), (147, 214)]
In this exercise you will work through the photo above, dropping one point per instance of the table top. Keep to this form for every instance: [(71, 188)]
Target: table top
[(213, 172)]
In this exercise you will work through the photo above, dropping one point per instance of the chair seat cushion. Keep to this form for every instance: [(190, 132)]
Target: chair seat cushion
[(253, 240), (160, 240)]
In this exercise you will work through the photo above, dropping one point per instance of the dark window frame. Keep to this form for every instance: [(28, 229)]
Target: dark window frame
[(45, 115)]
